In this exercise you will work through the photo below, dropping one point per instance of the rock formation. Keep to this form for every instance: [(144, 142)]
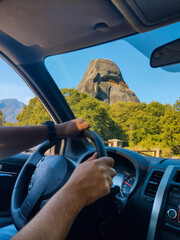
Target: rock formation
[(103, 80)]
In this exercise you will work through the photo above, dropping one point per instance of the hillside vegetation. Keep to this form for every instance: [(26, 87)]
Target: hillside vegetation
[(1, 118), (139, 125)]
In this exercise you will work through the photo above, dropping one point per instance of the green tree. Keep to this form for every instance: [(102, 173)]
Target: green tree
[(32, 114), (8, 124), (1, 118), (176, 106), (171, 130), (152, 125), (141, 122), (96, 112), (127, 116), (83, 105)]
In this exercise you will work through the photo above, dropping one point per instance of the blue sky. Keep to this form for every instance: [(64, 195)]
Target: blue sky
[(148, 84), (12, 85), (68, 69)]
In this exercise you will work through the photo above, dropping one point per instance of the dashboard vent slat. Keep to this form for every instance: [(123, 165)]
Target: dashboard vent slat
[(153, 183), (177, 177)]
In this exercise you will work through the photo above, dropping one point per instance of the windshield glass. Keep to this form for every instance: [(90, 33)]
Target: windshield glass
[(127, 102)]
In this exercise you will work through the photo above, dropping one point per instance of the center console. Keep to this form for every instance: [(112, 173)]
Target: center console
[(165, 217)]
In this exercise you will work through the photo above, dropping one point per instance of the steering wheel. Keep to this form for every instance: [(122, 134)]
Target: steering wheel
[(41, 177)]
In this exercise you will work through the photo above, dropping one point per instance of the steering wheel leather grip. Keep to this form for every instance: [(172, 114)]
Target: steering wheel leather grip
[(101, 150)]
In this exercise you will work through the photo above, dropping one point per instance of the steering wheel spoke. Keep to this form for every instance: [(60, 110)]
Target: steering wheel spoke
[(34, 159), (32, 198)]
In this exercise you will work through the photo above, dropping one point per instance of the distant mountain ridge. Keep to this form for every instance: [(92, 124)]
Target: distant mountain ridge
[(10, 108)]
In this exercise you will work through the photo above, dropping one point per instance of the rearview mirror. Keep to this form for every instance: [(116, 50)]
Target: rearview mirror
[(165, 55)]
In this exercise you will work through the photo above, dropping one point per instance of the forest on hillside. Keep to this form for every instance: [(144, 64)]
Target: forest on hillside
[(138, 125)]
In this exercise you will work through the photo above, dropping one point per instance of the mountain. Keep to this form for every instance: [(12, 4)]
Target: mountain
[(103, 80), (11, 108)]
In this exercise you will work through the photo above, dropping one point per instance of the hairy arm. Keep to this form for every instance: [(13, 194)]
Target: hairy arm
[(90, 181), (55, 220), (14, 140)]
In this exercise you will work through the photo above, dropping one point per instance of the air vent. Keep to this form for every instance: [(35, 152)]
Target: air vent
[(177, 177), (153, 183)]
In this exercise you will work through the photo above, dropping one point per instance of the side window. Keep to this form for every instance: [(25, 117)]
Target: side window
[(18, 107), (18, 104), (14, 95)]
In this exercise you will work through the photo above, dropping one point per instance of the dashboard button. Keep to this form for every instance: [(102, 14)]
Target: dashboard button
[(172, 213)]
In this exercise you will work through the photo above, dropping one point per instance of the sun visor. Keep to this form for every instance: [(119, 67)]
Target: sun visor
[(145, 15), (50, 23)]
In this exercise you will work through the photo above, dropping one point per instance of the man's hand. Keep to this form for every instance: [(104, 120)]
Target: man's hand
[(92, 179), (89, 181), (71, 128)]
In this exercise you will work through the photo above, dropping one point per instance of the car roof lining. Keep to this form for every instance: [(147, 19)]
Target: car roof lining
[(28, 22), (72, 25)]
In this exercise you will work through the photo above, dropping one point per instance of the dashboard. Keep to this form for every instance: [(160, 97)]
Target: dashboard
[(125, 177), (150, 190)]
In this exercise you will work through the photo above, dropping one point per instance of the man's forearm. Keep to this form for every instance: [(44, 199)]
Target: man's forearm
[(17, 139), (55, 219), (90, 181)]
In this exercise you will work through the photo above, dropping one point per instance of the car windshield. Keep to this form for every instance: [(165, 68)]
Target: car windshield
[(128, 103)]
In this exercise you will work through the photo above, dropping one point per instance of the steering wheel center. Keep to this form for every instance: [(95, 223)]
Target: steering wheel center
[(52, 172)]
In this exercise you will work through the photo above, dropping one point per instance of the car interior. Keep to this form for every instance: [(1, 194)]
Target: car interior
[(144, 202)]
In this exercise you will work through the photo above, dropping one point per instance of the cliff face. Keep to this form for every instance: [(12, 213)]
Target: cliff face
[(103, 80)]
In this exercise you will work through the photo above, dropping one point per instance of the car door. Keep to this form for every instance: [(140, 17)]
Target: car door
[(9, 169)]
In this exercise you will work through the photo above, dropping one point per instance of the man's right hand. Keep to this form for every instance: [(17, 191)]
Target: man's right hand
[(92, 179)]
